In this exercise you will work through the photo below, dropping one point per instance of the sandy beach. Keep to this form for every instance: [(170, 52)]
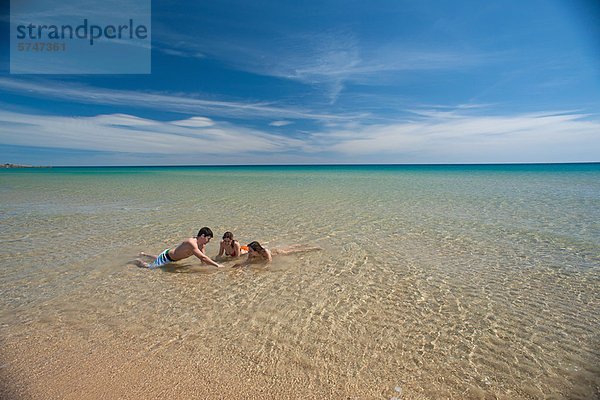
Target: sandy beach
[(71, 368), (35, 366)]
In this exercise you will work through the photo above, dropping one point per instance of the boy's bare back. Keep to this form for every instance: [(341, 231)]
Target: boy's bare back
[(187, 248), (190, 247)]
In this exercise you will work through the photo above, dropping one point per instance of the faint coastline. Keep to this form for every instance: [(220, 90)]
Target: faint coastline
[(9, 165)]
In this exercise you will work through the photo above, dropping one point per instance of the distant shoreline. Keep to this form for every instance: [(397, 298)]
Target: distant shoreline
[(335, 166), (9, 165), (499, 164)]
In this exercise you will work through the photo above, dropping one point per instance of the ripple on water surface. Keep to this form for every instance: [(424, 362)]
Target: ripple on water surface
[(440, 284)]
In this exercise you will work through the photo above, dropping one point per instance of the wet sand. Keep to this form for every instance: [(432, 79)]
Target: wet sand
[(70, 368), (66, 365), (35, 366)]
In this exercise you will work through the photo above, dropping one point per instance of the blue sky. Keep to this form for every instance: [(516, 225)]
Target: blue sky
[(284, 82)]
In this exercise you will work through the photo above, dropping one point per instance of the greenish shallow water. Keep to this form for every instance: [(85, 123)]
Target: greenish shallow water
[(440, 280)]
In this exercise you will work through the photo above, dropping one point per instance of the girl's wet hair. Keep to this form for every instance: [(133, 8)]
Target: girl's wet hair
[(258, 248), (228, 235)]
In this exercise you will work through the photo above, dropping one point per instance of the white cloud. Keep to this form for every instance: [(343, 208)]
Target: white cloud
[(280, 123), (443, 136), (198, 122), (123, 120), (324, 59), (160, 101), (432, 137), (129, 134)]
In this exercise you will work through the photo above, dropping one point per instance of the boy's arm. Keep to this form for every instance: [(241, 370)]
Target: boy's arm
[(221, 249), (204, 258)]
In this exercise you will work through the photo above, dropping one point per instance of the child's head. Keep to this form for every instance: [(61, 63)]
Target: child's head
[(206, 232), (255, 249), (228, 237)]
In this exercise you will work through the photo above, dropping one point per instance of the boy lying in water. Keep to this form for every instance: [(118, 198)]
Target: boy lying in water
[(189, 247)]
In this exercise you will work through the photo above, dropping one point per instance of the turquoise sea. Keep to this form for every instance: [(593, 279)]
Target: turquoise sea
[(435, 281)]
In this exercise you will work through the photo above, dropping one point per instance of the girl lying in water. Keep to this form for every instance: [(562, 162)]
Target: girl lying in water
[(231, 247), (259, 254)]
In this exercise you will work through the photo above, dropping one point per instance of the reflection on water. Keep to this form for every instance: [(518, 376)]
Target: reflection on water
[(431, 284)]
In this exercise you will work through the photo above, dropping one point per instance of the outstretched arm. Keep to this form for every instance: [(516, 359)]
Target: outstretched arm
[(205, 259), (294, 250), (221, 250)]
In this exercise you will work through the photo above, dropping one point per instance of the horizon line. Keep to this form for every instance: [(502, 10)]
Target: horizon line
[(304, 165)]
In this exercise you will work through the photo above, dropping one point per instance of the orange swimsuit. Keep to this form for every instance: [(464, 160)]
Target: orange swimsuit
[(241, 248)]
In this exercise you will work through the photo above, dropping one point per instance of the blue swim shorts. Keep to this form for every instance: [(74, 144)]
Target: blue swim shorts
[(162, 259)]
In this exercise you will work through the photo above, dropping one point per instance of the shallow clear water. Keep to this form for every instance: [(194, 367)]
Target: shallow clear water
[(438, 280)]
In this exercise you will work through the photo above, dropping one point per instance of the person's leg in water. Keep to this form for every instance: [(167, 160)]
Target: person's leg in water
[(142, 254), (294, 250), (141, 263), (158, 261)]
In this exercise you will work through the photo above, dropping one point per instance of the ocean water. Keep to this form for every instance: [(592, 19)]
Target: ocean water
[(433, 281)]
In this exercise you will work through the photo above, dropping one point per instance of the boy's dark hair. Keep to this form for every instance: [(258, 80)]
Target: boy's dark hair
[(206, 232)]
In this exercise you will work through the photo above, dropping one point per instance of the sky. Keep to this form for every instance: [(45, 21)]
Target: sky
[(324, 82)]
